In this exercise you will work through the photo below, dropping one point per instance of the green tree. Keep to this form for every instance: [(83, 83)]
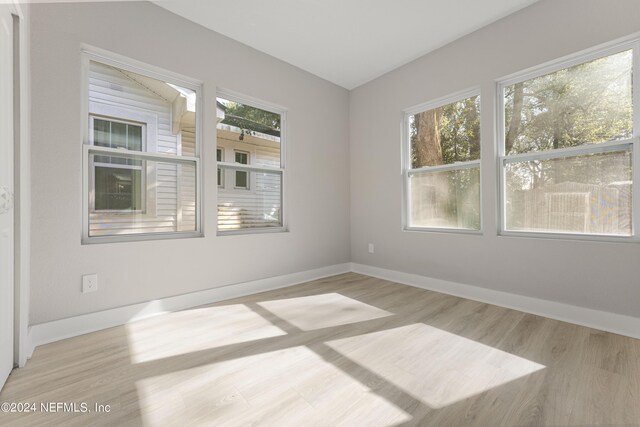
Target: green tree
[(584, 104), (251, 119), (445, 135)]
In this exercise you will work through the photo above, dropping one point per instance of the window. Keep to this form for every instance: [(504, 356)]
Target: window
[(242, 177), (442, 172), (567, 148), (250, 135), (140, 155), (220, 158), (118, 182)]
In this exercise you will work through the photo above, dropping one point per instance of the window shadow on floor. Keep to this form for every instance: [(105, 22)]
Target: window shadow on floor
[(349, 349)]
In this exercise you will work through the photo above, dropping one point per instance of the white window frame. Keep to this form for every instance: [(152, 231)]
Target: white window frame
[(90, 53), (408, 172), (632, 144), (282, 170), (142, 168)]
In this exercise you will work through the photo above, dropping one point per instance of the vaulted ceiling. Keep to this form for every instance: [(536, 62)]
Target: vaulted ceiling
[(348, 42)]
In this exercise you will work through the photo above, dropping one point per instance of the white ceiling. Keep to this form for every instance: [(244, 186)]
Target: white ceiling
[(348, 42)]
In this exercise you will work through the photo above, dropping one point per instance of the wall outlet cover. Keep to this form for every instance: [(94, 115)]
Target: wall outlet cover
[(89, 283)]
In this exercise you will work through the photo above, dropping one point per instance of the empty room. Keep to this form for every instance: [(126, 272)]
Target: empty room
[(320, 213)]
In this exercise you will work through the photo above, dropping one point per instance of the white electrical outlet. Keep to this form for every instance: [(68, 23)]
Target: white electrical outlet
[(371, 248), (89, 283)]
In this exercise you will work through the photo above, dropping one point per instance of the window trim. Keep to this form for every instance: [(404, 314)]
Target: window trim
[(407, 171), (282, 170), (91, 53), (609, 146)]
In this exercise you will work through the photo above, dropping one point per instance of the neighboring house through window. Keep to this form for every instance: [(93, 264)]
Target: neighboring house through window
[(141, 154), (250, 166)]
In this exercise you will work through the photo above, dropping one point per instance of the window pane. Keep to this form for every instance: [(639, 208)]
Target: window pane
[(162, 198), (134, 137), (258, 209), (584, 104), (107, 132), (118, 189), (129, 195), (448, 199), (102, 133), (152, 109), (219, 155), (134, 142), (242, 158), (255, 128), (254, 135), (118, 135), (102, 159), (446, 134), (588, 194), (242, 179)]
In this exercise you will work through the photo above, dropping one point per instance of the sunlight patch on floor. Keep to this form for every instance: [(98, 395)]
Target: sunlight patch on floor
[(322, 311), (293, 386), (434, 366), (194, 330)]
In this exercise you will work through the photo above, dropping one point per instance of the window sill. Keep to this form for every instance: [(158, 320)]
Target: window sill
[(141, 237), (118, 212), (265, 230), (444, 230), (570, 237)]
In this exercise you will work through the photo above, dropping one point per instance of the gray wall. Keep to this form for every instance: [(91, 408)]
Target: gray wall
[(133, 272), (324, 121), (597, 275)]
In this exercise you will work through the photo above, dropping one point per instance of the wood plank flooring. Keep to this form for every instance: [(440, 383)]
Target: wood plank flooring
[(349, 350)]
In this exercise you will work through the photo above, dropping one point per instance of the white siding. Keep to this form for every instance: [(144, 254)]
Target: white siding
[(108, 86), (261, 205)]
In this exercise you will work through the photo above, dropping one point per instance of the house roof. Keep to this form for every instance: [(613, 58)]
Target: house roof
[(182, 100)]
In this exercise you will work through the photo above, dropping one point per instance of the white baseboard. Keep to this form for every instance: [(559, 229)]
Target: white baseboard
[(56, 330), (45, 333), (610, 322)]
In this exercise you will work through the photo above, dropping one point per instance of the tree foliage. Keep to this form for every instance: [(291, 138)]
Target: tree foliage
[(251, 119), (583, 104), (588, 103), (447, 134)]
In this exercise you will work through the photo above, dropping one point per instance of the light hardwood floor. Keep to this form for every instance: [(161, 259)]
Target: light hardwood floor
[(349, 350)]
